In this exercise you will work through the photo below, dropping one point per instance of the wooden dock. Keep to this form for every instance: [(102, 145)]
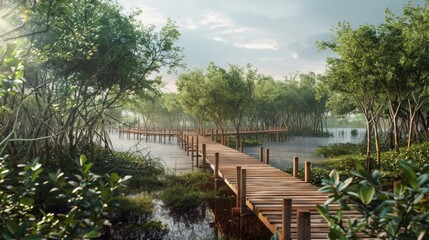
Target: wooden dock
[(139, 132), (285, 204)]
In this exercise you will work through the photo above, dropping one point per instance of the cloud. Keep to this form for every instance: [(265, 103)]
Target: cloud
[(152, 16), (219, 39), (276, 59), (259, 44), (210, 20), (278, 37), (294, 55)]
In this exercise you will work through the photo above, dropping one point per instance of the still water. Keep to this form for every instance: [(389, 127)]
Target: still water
[(176, 161), (282, 153)]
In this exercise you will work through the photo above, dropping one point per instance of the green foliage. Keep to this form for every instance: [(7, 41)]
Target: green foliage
[(139, 204), (337, 149), (126, 163), (87, 196), (181, 197), (11, 69), (384, 214), (418, 153), (186, 192), (90, 57)]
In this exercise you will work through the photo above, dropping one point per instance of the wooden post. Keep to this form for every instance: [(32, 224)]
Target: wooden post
[(242, 146), (216, 170), (286, 219), (243, 192), (212, 135), (242, 202), (238, 202), (295, 166), (307, 171), (187, 145), (267, 156), (304, 224), (197, 151), (261, 154), (395, 186), (192, 150), (204, 153)]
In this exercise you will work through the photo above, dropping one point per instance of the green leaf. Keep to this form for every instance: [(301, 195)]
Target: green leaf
[(87, 167), (53, 177), (55, 236), (113, 178), (345, 184), (12, 226), (325, 189), (422, 179), (409, 173), (366, 193), (28, 201), (360, 171), (92, 234), (124, 179), (82, 160), (335, 176), (324, 212), (418, 198)]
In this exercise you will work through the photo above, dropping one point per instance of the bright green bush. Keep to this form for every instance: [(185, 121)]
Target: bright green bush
[(401, 214), (87, 199), (418, 153)]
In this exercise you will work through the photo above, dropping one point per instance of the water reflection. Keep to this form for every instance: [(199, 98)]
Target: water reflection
[(192, 224), (282, 153)]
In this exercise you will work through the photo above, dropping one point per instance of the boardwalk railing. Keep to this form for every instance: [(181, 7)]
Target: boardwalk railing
[(128, 131)]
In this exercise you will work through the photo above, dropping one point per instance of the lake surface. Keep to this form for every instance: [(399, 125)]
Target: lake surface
[(176, 161), (282, 153)]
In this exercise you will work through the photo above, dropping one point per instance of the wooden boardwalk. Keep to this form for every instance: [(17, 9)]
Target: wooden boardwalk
[(174, 132), (265, 189)]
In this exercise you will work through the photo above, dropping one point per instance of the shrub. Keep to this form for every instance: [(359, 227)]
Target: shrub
[(384, 214), (188, 191), (337, 149), (87, 198)]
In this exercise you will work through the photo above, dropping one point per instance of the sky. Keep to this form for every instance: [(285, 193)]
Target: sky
[(276, 36)]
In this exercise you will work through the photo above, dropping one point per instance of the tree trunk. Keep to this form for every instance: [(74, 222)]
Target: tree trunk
[(368, 145), (377, 143)]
